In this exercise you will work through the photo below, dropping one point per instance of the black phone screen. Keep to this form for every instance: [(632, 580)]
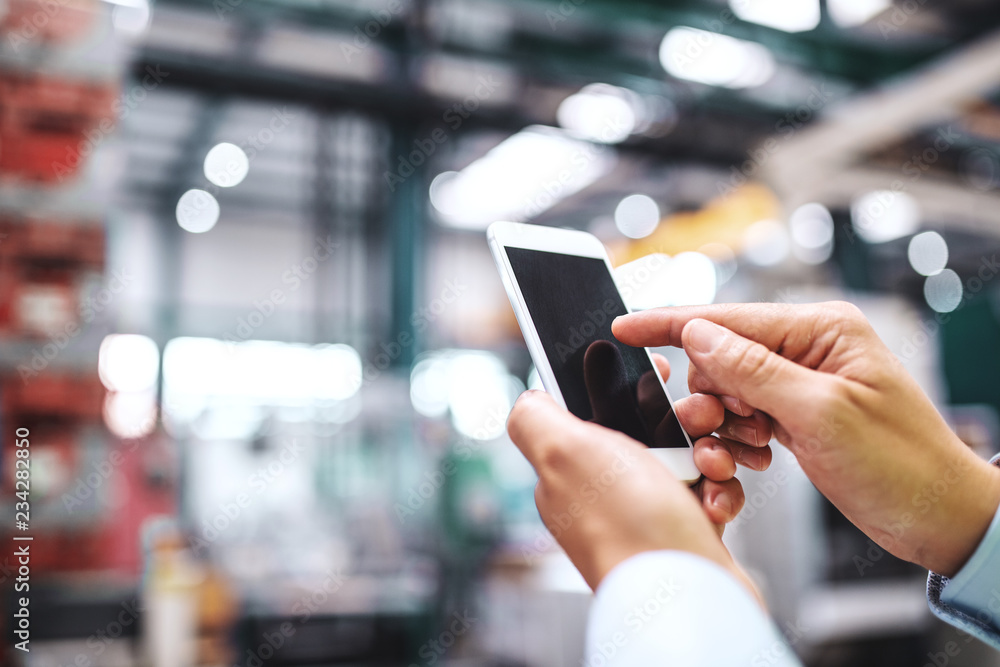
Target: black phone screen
[(572, 301)]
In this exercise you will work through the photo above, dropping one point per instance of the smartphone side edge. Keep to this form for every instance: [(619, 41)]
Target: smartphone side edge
[(531, 338)]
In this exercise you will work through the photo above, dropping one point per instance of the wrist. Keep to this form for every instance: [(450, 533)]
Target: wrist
[(716, 552), (963, 520), (722, 560), (741, 576)]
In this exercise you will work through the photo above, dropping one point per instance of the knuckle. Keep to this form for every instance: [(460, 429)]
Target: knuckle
[(847, 311), (700, 412), (763, 426), (696, 381), (755, 362), (553, 453), (837, 397), (839, 392), (711, 411)]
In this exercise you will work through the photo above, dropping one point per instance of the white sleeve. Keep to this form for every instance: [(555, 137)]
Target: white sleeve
[(666, 608)]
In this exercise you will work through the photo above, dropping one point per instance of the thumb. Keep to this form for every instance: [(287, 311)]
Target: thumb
[(541, 428), (747, 370)]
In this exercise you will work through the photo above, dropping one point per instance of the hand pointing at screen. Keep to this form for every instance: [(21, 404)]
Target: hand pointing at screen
[(861, 428)]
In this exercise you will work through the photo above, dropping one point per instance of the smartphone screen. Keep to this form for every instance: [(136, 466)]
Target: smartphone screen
[(572, 301)]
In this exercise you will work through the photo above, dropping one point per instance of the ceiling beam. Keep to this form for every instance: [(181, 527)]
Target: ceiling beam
[(941, 201), (805, 163)]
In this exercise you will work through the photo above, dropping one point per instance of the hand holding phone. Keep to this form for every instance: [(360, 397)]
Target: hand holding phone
[(605, 498), (562, 289)]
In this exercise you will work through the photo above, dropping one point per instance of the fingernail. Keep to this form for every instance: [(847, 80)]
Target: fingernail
[(724, 502), (745, 433), (733, 404), (528, 394), (615, 321), (749, 458), (705, 336)]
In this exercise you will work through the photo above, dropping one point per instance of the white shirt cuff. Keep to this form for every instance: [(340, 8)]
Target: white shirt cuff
[(674, 608)]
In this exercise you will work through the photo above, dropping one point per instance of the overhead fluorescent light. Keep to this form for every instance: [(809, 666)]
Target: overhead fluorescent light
[(599, 112), (787, 15), (689, 279), (850, 13), (226, 389), (471, 385), (523, 176), (715, 59), (128, 362), (884, 215)]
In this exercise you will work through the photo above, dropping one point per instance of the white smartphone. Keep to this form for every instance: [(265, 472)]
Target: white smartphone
[(562, 288)]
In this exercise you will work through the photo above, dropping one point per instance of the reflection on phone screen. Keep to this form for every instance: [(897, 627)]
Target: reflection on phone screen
[(572, 301)]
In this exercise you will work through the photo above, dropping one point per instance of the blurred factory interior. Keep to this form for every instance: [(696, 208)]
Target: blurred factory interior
[(250, 320)]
